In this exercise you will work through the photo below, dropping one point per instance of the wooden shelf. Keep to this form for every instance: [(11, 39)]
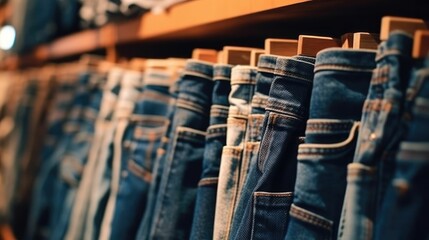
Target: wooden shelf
[(207, 19)]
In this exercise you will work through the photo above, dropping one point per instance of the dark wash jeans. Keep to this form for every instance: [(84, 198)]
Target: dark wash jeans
[(204, 213), (340, 87), (267, 210), (142, 138), (74, 160), (173, 214), (264, 78), (379, 137), (78, 219), (158, 168), (43, 202), (404, 211)]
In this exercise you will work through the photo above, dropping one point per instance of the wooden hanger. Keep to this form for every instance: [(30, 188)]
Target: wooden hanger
[(310, 45), (237, 55), (137, 64), (254, 57), (408, 25), (281, 47), (208, 55), (220, 57), (421, 44), (360, 40)]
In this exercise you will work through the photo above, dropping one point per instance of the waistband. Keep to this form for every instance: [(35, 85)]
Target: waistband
[(114, 77), (222, 72), (305, 58), (290, 67), (345, 60), (157, 77), (243, 75), (267, 63), (199, 69), (399, 43), (131, 79)]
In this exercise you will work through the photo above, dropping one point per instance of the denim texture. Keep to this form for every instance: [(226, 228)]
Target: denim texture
[(78, 217), (243, 80), (340, 86), (264, 78), (131, 87), (74, 159), (142, 137), (272, 181), (43, 202), (379, 137), (158, 168), (175, 203), (204, 213), (122, 98), (404, 209)]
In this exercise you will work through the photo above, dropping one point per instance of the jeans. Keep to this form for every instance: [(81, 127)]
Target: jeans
[(105, 200), (264, 78), (173, 214), (340, 86), (203, 222), (404, 210), (81, 208), (243, 79), (74, 160), (379, 136), (158, 168), (43, 202), (273, 177), (142, 138)]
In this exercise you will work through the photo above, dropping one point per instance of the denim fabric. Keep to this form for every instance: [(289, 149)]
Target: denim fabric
[(243, 80), (143, 137), (266, 211), (74, 160), (404, 210), (203, 222), (130, 89), (78, 216), (175, 203), (158, 168), (119, 97), (264, 78), (379, 136), (62, 104), (43, 202), (340, 86)]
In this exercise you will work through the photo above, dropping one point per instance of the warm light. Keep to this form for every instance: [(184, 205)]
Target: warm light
[(7, 37)]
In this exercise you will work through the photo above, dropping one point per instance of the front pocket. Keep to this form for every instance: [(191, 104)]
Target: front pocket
[(270, 215), (142, 148), (321, 178), (305, 224)]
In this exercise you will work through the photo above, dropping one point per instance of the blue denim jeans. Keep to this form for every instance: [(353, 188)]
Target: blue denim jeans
[(404, 209), (273, 179), (340, 87), (43, 202), (77, 222), (158, 168), (379, 136), (74, 159), (131, 87), (173, 214), (141, 139), (264, 78), (204, 213), (243, 80)]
